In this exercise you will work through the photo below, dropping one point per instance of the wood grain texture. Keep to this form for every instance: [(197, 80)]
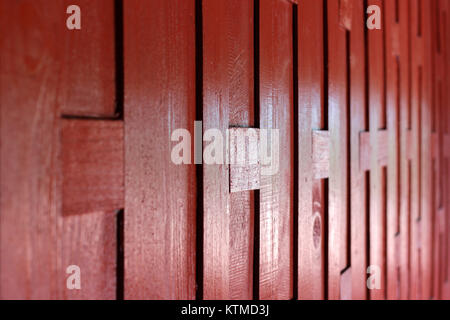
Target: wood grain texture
[(338, 227), (33, 252), (88, 57), (312, 207), (426, 113), (416, 106), (89, 242), (245, 160), (159, 195), (276, 259), (358, 179), (228, 101), (377, 116), (392, 147), (405, 136), (92, 166), (321, 154)]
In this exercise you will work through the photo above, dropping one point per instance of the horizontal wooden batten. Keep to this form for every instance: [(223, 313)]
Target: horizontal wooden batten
[(321, 154), (92, 166), (245, 169)]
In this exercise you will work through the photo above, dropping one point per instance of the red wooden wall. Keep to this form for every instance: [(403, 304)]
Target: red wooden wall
[(86, 176)]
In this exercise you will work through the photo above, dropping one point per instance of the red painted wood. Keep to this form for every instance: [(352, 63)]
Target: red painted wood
[(358, 110), (92, 166), (405, 148), (426, 113), (416, 105), (276, 112), (88, 57), (372, 141), (321, 154), (34, 254), (245, 165), (338, 227), (311, 101), (377, 116), (228, 101), (392, 154), (159, 195), (89, 242)]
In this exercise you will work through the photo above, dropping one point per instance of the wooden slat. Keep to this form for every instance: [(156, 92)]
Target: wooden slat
[(89, 242), (228, 101), (276, 112), (160, 196), (321, 154), (427, 112), (312, 226), (392, 146), (88, 60), (377, 117), (416, 97), (358, 111), (446, 149), (92, 166), (405, 148), (34, 256), (337, 123)]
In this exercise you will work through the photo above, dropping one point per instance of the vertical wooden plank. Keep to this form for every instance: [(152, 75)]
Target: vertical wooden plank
[(337, 122), (416, 105), (445, 260), (392, 56), (159, 195), (358, 176), (28, 78), (377, 179), (88, 58), (32, 248), (228, 101), (276, 112), (426, 111), (405, 161), (312, 221)]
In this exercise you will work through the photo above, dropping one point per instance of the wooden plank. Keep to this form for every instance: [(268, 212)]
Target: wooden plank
[(426, 113), (358, 111), (377, 177), (321, 154), (89, 242), (416, 106), (338, 257), (405, 147), (312, 220), (32, 249), (88, 56), (228, 101), (276, 259), (160, 196), (27, 259), (392, 146), (92, 166), (446, 151)]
